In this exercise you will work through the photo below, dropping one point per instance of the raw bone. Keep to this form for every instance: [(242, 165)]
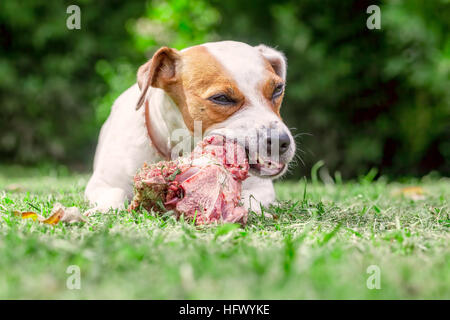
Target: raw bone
[(205, 186)]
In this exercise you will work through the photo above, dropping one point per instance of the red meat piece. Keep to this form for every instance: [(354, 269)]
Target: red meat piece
[(205, 186)]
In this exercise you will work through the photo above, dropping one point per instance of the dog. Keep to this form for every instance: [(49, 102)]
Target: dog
[(230, 88)]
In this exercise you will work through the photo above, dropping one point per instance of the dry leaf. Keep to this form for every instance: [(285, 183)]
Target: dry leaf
[(69, 215), (15, 187), (56, 215), (413, 193), (27, 215), (59, 213)]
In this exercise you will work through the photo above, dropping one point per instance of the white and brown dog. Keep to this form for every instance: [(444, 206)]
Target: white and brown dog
[(231, 88)]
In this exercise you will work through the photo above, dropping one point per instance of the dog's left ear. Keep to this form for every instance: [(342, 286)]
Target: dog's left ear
[(158, 72), (276, 59)]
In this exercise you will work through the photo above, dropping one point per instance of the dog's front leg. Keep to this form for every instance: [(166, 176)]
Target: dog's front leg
[(104, 197), (257, 192)]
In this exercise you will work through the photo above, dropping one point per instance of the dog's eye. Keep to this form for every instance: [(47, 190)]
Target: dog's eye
[(222, 99), (278, 91)]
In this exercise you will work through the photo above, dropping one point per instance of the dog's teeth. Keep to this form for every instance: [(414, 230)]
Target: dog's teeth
[(260, 160)]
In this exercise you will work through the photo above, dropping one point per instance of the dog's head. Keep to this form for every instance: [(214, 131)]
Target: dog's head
[(234, 90)]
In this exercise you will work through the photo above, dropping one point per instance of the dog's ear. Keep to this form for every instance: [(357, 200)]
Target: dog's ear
[(159, 72), (276, 59)]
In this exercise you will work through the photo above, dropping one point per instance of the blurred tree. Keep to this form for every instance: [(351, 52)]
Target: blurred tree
[(48, 78)]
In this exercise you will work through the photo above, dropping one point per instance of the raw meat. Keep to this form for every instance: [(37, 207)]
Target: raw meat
[(205, 187)]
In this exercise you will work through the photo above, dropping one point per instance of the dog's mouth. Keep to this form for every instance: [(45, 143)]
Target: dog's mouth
[(264, 166)]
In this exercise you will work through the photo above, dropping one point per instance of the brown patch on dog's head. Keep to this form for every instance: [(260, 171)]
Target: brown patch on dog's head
[(275, 66), (202, 77), (191, 78), (270, 86)]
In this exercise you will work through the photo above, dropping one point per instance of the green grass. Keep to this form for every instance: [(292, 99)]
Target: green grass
[(319, 245)]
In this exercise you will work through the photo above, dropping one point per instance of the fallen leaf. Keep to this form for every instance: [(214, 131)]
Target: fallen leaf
[(413, 193), (55, 216), (69, 215), (14, 187), (28, 215), (59, 213)]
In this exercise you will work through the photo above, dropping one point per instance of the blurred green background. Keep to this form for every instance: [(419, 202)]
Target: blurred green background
[(357, 98)]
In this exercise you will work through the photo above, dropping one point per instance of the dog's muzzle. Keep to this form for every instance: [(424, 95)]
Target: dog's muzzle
[(269, 151), (271, 158)]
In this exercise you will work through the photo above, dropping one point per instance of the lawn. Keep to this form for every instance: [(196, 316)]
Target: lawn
[(324, 242)]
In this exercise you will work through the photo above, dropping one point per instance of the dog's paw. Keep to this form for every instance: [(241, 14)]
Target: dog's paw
[(106, 200)]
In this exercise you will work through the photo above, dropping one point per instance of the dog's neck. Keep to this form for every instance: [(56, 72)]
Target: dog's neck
[(164, 122)]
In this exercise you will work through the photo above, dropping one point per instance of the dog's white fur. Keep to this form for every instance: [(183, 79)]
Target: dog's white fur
[(124, 144)]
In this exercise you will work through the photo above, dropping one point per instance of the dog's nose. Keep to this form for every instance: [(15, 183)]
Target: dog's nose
[(284, 141)]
